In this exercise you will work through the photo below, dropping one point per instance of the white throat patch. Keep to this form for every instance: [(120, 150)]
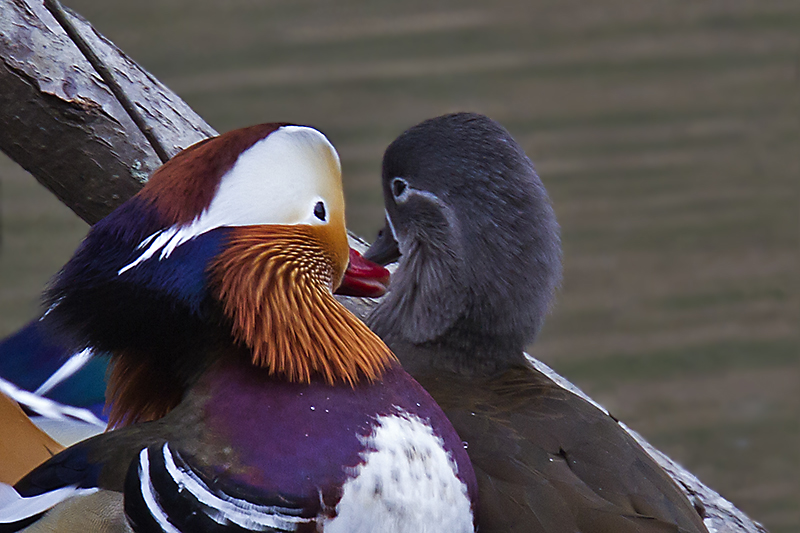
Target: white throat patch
[(407, 484)]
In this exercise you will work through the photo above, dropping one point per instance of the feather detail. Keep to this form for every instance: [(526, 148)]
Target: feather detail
[(139, 390), (186, 184), (275, 284)]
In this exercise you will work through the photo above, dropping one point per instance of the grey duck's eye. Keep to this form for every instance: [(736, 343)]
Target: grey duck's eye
[(319, 211), (399, 188)]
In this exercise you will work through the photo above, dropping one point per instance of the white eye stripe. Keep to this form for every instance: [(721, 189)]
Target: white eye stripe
[(302, 169), (444, 209), (410, 191), (424, 194), (391, 225)]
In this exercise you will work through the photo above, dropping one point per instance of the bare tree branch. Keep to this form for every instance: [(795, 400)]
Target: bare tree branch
[(60, 121), (64, 19), (63, 123)]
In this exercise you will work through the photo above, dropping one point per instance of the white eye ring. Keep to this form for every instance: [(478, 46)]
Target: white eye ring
[(399, 188)]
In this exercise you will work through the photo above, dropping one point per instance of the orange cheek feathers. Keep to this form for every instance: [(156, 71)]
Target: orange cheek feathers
[(274, 284)]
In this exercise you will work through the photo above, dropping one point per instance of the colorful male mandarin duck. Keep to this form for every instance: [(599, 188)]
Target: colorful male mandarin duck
[(479, 261), (251, 399), (61, 389)]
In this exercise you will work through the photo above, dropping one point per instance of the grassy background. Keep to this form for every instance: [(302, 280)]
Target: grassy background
[(666, 132)]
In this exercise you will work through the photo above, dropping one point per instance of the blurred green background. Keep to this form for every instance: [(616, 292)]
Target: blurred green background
[(666, 132)]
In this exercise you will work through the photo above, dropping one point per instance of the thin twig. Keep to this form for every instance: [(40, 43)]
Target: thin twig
[(62, 18)]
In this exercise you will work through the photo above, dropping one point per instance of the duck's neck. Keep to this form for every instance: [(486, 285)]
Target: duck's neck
[(145, 385), (464, 354), (273, 310), (281, 308)]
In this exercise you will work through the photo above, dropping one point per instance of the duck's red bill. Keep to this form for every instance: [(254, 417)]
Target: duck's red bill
[(363, 278)]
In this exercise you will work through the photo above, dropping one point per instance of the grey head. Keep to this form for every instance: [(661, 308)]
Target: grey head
[(478, 242)]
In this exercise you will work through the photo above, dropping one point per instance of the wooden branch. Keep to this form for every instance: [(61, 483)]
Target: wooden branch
[(104, 70), (61, 122)]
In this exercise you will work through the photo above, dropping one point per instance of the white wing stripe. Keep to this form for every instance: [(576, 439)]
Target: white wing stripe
[(72, 365), (14, 507), (149, 497), (47, 407), (240, 512)]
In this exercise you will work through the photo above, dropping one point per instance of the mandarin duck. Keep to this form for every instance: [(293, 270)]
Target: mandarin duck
[(246, 398), (62, 390), (479, 260), (62, 394)]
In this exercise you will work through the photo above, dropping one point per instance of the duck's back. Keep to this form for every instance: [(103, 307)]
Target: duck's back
[(548, 461)]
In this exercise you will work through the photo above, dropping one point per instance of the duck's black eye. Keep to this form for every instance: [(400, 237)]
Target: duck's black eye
[(319, 211), (399, 187)]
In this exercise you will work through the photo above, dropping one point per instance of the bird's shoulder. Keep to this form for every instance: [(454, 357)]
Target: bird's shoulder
[(547, 460)]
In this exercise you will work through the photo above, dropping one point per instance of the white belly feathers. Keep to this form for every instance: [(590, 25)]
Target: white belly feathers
[(407, 484)]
